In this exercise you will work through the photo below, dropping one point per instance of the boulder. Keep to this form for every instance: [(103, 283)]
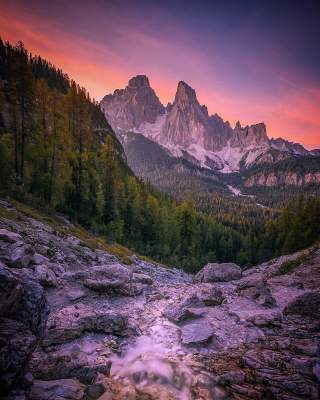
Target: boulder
[(306, 305), (22, 319), (196, 333), (8, 236), (255, 287), (73, 321), (39, 259), (45, 276), (62, 389), (183, 310), (17, 342), (223, 272), (210, 295), (142, 278)]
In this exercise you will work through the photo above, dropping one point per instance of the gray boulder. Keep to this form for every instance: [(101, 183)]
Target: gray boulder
[(8, 236), (73, 321), (223, 272), (183, 310), (196, 333)]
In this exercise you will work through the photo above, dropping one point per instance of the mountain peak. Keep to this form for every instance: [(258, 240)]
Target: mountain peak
[(139, 81), (238, 126), (185, 93)]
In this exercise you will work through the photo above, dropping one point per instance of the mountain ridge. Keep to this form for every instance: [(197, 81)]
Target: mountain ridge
[(186, 129)]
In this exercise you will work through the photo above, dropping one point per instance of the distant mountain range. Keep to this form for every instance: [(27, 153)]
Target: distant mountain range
[(193, 142)]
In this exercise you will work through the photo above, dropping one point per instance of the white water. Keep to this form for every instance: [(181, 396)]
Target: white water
[(147, 364)]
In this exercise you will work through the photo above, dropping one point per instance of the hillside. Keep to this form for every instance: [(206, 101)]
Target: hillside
[(78, 322)]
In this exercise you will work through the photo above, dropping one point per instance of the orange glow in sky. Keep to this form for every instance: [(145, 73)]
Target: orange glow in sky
[(292, 112)]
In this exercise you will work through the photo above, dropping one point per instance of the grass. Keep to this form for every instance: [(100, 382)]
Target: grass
[(86, 238), (290, 265)]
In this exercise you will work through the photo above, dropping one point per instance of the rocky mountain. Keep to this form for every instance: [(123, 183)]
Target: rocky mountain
[(186, 129), (175, 175), (76, 323), (129, 108)]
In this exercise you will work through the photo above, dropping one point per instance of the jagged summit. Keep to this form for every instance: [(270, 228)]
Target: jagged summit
[(127, 109), (139, 81), (186, 129), (185, 93)]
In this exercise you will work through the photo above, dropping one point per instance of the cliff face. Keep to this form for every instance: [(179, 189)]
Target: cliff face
[(119, 331), (275, 179), (128, 108)]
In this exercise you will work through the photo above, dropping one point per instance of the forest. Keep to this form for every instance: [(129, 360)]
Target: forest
[(58, 153)]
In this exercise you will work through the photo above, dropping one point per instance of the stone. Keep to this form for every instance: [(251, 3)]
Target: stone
[(22, 318), (196, 333), (62, 389), (28, 379), (223, 272), (183, 310), (232, 377), (95, 391), (210, 295), (19, 256), (39, 259), (266, 319), (306, 305), (8, 236), (73, 321), (45, 276), (142, 278)]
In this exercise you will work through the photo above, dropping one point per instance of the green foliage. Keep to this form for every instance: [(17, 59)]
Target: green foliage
[(297, 227)]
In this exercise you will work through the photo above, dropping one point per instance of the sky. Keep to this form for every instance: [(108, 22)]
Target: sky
[(248, 60)]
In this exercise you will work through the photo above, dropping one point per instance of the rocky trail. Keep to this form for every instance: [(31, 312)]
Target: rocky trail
[(76, 323)]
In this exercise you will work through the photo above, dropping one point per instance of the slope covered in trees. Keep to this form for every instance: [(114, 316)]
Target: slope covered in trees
[(58, 152)]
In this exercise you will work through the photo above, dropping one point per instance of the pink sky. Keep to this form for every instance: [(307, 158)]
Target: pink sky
[(292, 111)]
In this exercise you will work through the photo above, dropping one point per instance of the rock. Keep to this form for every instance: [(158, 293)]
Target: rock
[(95, 391), (17, 343), (46, 276), (75, 294), (210, 295), (266, 319), (22, 318), (9, 237), (183, 310), (63, 389), (18, 256), (71, 322), (113, 287), (232, 377), (219, 273), (255, 287), (316, 370), (306, 305), (112, 279), (196, 333), (28, 379), (39, 259), (142, 278)]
